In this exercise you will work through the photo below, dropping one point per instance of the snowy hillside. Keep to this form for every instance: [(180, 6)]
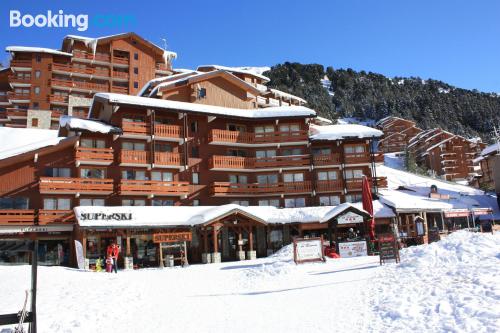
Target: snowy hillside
[(449, 286)]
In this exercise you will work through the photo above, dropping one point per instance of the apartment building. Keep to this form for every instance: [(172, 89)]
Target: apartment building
[(397, 134), (179, 147), (42, 84), (488, 162)]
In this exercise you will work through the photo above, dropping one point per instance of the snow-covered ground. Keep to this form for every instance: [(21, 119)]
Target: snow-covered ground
[(450, 286)]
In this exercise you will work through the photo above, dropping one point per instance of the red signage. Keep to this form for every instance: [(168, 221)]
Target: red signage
[(482, 211), (457, 213)]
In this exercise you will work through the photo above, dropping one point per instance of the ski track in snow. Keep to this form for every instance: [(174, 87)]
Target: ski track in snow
[(450, 286)]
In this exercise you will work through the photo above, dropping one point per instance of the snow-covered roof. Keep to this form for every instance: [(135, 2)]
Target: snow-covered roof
[(91, 125), (36, 50), (152, 83), (286, 95), (162, 216), (340, 132), (240, 70), (323, 120), (494, 148), (16, 141), (155, 103), (440, 143)]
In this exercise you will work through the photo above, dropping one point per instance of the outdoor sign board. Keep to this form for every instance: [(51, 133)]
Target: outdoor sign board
[(79, 255), (349, 218), (482, 211), (308, 250), (457, 213), (388, 248), (173, 237), (353, 249)]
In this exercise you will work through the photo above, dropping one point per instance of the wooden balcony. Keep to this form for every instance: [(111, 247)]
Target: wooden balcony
[(162, 67), (225, 137), (134, 157), (382, 182), (90, 56), (65, 68), (17, 216), (48, 217), (252, 163), (168, 132), (132, 129), (58, 99), (168, 160), (13, 79), (327, 159), (354, 184), (84, 85), (62, 185), (94, 156), (329, 186), (234, 189), (356, 158), (18, 97), (153, 187), (120, 75), (3, 99), (119, 90), (17, 113), (120, 60), (21, 63)]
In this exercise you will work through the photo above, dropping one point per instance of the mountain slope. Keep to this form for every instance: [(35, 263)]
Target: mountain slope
[(430, 103)]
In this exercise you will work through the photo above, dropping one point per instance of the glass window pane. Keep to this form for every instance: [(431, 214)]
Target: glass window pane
[(299, 177), (243, 179), (332, 175), (334, 200), (140, 175), (63, 204), (155, 175), (233, 179), (260, 153), (324, 201), (86, 143), (64, 172), (262, 179), (49, 203), (85, 202), (289, 203), (98, 202), (322, 176), (300, 202), (100, 144), (294, 128), (168, 177), (288, 177), (139, 146), (127, 145), (273, 179), (274, 203)]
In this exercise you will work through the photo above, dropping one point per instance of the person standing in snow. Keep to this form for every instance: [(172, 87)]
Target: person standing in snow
[(115, 251)]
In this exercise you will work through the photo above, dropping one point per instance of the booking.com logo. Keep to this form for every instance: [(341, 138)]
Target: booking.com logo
[(61, 20)]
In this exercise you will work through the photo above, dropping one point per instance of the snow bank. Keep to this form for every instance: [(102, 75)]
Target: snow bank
[(17, 141), (447, 286), (340, 132), (73, 123)]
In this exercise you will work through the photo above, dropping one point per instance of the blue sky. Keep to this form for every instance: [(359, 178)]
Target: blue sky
[(451, 40)]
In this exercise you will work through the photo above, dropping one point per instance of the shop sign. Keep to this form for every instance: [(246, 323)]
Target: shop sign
[(349, 218), (353, 249), (172, 237), (457, 213), (481, 211), (308, 250), (388, 248), (33, 228), (105, 217)]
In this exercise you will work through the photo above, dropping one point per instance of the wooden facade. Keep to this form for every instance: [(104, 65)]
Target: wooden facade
[(397, 134)]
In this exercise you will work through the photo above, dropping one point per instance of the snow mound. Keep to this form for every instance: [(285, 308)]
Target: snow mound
[(447, 286)]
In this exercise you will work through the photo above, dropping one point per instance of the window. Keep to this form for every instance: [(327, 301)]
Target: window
[(238, 179), (162, 202), (358, 149), (353, 198), (136, 56), (163, 176), (38, 58), (133, 202), (136, 84), (14, 203), (34, 122), (289, 128), (37, 90), (261, 130), (195, 151), (36, 106), (38, 74), (236, 127), (163, 148), (134, 175), (295, 202), (267, 179), (236, 152), (136, 70), (244, 203), (92, 173), (162, 121), (353, 173), (265, 153), (139, 146), (270, 202), (327, 175), (194, 126), (195, 178), (196, 202), (291, 151), (329, 200), (202, 93), (57, 172), (321, 151), (92, 202), (293, 177), (92, 143), (57, 203), (133, 119)]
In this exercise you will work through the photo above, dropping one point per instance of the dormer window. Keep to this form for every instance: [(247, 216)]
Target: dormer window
[(202, 93)]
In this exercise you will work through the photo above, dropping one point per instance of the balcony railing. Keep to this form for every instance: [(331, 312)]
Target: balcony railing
[(73, 69), (75, 185), (3, 98), (102, 156), (79, 85), (120, 90), (235, 162), (131, 127), (329, 186), (354, 158), (58, 99), (382, 182), (46, 217), (90, 56), (354, 184), (155, 187), (17, 113), (20, 63), (225, 188), (225, 136), (163, 159), (134, 157), (120, 60), (162, 67), (120, 75), (17, 216), (168, 131), (326, 159), (16, 96), (16, 79)]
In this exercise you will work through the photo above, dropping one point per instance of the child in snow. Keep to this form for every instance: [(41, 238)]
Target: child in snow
[(109, 264)]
